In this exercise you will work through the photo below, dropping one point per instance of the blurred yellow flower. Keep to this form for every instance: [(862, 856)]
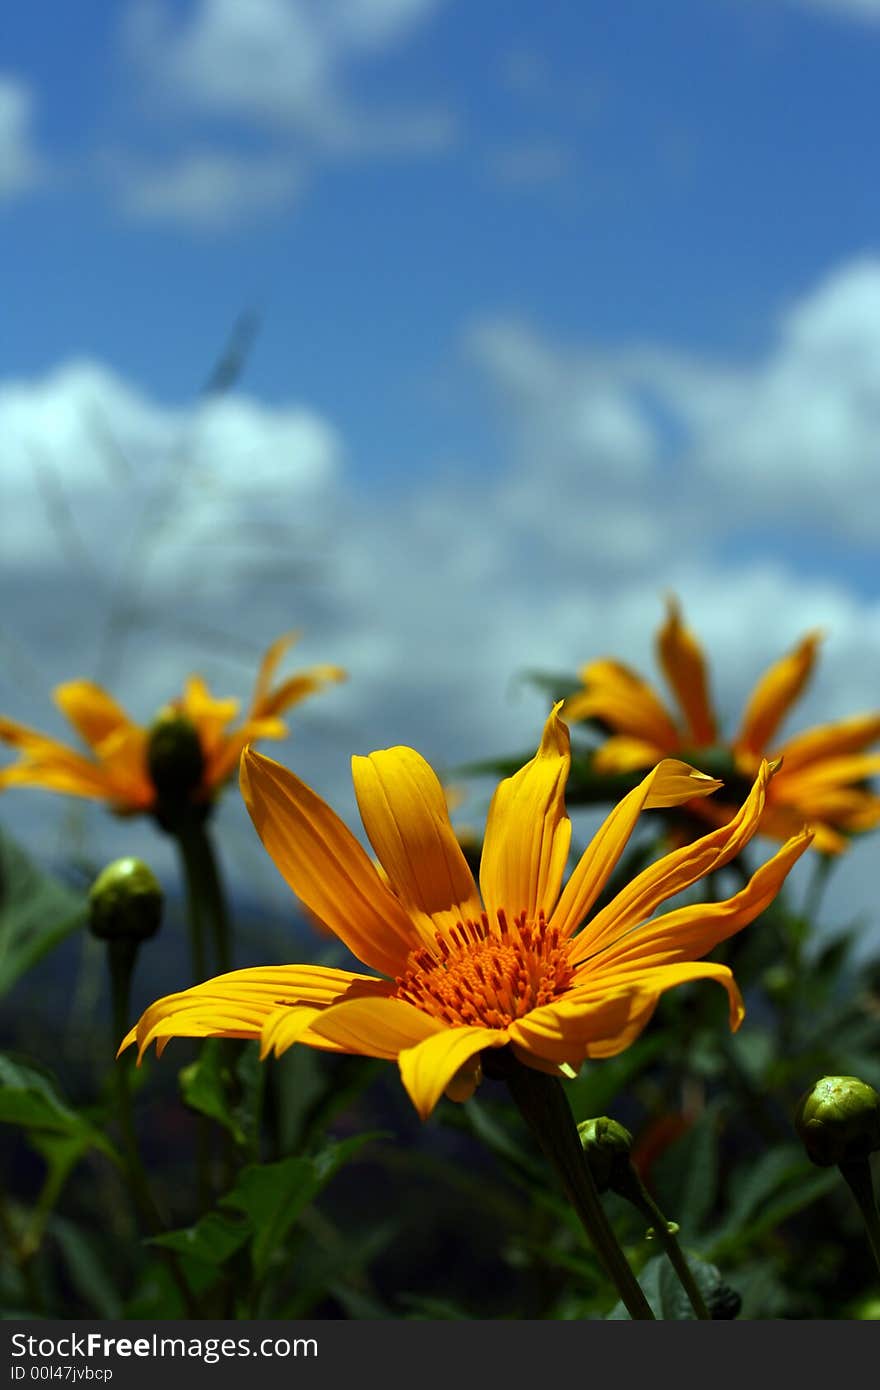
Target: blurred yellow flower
[(467, 971), (822, 779), (116, 769)]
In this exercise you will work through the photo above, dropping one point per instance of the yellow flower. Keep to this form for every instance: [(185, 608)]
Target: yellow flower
[(466, 971), (824, 770), (116, 769)]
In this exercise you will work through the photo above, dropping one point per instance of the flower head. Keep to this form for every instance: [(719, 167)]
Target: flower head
[(838, 1120), (121, 766), (824, 771), (125, 902), (519, 963)]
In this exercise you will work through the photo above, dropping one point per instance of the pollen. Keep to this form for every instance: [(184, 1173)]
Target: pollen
[(488, 973)]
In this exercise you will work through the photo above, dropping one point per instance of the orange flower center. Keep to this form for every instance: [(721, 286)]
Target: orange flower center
[(487, 974)]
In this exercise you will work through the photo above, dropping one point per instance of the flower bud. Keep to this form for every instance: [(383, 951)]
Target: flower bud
[(606, 1145), (838, 1120), (175, 759), (125, 902)]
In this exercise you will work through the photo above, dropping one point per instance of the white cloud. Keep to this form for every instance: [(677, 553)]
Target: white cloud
[(792, 440), (20, 164), (285, 64), (434, 599), (209, 190)]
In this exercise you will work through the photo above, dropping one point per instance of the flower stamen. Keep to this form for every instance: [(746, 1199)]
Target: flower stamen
[(487, 973)]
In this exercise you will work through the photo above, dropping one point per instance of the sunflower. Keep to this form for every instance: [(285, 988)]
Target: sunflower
[(117, 768), (823, 775), (519, 964)]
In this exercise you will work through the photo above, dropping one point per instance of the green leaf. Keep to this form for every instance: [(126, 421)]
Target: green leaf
[(212, 1240), (795, 1188), (483, 1121), (155, 1296), (225, 1085), (273, 1195), (36, 913), (754, 1186), (86, 1268), (300, 1081), (424, 1307), (29, 1098), (665, 1294), (686, 1175)]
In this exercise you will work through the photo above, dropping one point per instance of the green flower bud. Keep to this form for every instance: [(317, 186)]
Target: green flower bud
[(606, 1145), (838, 1120), (175, 759), (125, 902)]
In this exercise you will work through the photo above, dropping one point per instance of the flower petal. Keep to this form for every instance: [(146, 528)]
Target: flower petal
[(226, 757), (670, 783), (624, 700), (527, 831), (55, 777), (690, 932), (684, 666), (268, 666), (830, 741), (428, 1068), (296, 688), (238, 1003), (49, 764), (123, 758), (282, 1029), (91, 711), (268, 703), (621, 753), (325, 866), (674, 872), (603, 1021), (209, 715), (405, 816), (827, 773), (566, 1030), (781, 822), (658, 979), (775, 693), (374, 1027)]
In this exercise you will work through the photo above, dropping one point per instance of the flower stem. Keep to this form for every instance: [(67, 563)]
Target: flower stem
[(206, 900), (208, 916), (636, 1192), (121, 956), (544, 1106), (857, 1175)]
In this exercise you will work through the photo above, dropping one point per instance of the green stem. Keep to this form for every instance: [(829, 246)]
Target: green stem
[(857, 1175), (121, 955), (208, 916), (545, 1108), (636, 1192), (206, 899), (196, 915)]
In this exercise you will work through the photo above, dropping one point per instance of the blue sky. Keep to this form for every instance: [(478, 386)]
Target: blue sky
[(562, 305), (608, 171)]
